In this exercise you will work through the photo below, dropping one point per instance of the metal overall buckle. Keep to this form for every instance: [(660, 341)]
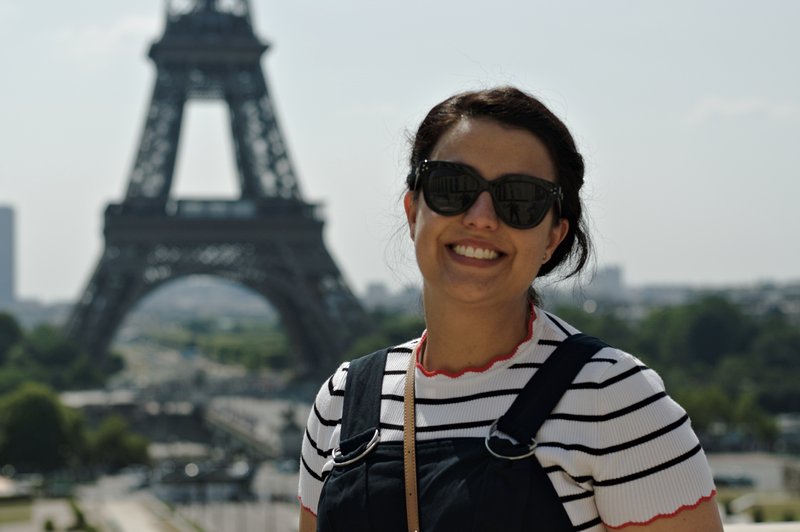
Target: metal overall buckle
[(493, 432), (337, 452)]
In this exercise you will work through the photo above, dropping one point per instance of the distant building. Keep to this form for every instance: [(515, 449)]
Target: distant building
[(607, 284), (6, 255), (378, 296)]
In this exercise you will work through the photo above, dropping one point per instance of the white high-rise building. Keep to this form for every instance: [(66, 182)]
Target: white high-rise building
[(6, 255)]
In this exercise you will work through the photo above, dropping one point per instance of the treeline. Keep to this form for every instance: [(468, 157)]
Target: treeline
[(37, 432), (252, 344), (44, 355), (732, 371)]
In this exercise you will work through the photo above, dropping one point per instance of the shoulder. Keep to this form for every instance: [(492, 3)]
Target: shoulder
[(608, 366), (328, 403), (389, 360)]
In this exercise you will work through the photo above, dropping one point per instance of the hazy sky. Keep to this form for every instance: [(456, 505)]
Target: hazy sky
[(688, 114)]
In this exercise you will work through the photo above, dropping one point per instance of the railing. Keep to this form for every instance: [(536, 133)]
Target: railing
[(217, 209)]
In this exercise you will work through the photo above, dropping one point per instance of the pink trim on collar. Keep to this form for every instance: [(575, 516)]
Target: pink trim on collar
[(481, 369)]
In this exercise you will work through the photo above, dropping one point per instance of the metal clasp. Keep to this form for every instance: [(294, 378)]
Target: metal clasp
[(337, 453), (493, 431)]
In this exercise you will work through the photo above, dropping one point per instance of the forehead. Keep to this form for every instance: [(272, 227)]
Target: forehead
[(494, 149)]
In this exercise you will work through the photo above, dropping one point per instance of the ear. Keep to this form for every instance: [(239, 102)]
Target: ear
[(410, 206), (557, 234)]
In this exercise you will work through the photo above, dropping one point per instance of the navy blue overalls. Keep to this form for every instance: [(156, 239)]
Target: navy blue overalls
[(463, 485)]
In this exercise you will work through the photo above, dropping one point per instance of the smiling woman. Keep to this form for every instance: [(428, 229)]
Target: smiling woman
[(500, 416)]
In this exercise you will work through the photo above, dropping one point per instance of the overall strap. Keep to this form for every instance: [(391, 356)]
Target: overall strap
[(544, 390), (362, 398)]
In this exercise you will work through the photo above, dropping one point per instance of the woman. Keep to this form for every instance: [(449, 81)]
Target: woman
[(493, 202)]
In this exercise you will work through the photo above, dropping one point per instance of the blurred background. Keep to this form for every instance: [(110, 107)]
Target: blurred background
[(688, 116)]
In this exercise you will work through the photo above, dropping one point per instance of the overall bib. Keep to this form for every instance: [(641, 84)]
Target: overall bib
[(464, 484)]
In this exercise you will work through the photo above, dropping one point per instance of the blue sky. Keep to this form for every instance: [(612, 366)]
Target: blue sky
[(688, 114)]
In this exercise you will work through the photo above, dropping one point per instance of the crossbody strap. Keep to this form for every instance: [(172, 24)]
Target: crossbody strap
[(409, 449), (544, 390)]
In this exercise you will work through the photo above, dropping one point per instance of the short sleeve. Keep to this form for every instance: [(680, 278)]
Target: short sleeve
[(321, 437), (649, 462)]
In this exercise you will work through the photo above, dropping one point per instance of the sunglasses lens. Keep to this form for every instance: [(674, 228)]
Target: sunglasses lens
[(450, 191), (521, 202)]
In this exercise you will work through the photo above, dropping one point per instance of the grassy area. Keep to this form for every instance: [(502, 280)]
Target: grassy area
[(15, 511), (779, 511), (765, 509), (253, 345)]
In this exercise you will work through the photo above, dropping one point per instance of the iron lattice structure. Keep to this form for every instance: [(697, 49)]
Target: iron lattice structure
[(269, 240)]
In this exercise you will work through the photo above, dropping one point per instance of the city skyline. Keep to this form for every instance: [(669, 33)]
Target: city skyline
[(686, 116)]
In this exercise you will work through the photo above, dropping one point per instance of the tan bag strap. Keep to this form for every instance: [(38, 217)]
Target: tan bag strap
[(409, 448)]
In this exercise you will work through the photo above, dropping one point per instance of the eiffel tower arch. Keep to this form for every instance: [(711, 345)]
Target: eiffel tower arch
[(269, 239)]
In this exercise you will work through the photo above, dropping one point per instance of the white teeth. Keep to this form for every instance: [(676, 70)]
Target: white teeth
[(475, 253)]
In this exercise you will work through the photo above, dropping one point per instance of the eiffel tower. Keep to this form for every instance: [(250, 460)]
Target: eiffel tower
[(269, 239)]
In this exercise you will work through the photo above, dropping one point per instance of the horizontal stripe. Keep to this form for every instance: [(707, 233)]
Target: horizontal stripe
[(526, 365), (579, 479), (647, 472), (311, 472), (619, 447), (540, 364), (331, 391), (558, 324), (576, 496), (611, 415), (588, 524), (323, 421), (314, 445), (608, 360), (550, 342), (453, 400), (613, 380), (395, 350)]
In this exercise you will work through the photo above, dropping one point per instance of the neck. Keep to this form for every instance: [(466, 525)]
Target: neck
[(463, 336)]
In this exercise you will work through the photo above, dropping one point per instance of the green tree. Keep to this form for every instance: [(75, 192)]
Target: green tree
[(753, 421), (45, 355), (35, 429), (114, 446), (604, 325), (706, 406), (688, 341), (715, 327), (391, 329), (10, 334)]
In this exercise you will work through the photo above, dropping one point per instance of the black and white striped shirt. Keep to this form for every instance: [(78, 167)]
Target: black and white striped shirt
[(617, 449)]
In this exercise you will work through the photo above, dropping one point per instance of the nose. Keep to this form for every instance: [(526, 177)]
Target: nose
[(481, 214)]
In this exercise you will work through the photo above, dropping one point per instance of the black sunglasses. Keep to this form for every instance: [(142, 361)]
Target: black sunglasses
[(521, 201)]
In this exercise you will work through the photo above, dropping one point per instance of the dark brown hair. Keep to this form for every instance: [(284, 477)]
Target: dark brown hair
[(514, 108)]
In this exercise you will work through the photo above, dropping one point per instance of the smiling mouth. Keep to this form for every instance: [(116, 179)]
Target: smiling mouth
[(475, 253)]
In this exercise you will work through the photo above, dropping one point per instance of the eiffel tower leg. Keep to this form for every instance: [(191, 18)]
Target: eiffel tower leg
[(319, 313), (115, 287), (261, 155), (151, 177)]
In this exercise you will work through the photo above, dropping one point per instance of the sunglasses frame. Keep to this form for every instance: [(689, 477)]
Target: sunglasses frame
[(554, 192)]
